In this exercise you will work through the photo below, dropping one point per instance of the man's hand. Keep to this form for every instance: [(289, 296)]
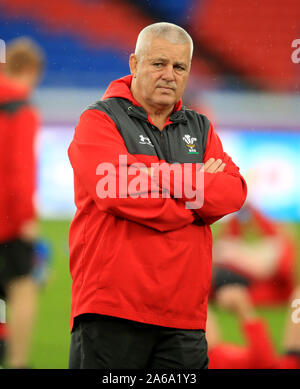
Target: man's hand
[(214, 166), (236, 299), (29, 230)]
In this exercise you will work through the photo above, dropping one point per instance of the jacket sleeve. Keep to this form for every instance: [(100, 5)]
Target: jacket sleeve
[(218, 194), (224, 192), (257, 353), (260, 348), (95, 154)]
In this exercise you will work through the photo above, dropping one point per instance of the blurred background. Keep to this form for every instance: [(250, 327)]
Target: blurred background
[(243, 78)]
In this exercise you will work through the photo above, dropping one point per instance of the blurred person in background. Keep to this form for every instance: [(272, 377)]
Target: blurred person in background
[(141, 265), (256, 252), (258, 351), (19, 124)]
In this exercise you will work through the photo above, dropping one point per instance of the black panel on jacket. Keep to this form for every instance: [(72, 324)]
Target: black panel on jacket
[(183, 141)]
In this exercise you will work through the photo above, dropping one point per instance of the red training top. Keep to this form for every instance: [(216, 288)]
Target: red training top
[(18, 128), (143, 259)]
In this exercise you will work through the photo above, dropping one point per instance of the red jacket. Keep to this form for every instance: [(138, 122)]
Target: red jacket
[(144, 259), (18, 128), (277, 288)]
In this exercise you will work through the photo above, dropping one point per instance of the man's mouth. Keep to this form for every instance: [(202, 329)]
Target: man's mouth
[(166, 88)]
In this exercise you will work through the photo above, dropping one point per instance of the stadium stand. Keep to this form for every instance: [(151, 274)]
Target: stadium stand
[(253, 38), (88, 39), (81, 39)]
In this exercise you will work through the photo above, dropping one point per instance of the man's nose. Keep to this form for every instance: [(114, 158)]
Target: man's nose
[(168, 73)]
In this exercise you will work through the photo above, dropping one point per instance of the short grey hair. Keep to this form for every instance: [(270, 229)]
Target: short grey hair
[(169, 31)]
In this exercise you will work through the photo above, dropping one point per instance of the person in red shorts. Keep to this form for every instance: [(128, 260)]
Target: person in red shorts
[(252, 250), (258, 352), (19, 123)]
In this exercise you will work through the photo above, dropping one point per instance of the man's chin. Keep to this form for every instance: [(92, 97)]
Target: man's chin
[(166, 101)]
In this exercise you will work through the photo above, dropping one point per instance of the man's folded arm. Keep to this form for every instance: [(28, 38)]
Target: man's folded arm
[(218, 194), (224, 192), (116, 186)]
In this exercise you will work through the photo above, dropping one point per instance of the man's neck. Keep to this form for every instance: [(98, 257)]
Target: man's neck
[(23, 81), (159, 118)]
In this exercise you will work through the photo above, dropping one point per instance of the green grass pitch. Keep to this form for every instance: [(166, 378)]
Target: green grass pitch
[(50, 345)]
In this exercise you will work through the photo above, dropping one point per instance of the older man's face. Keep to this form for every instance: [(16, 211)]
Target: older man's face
[(162, 73)]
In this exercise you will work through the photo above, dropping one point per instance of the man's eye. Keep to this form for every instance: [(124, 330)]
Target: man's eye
[(157, 64), (178, 67)]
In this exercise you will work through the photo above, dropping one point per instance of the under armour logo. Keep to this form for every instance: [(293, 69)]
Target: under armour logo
[(144, 140)]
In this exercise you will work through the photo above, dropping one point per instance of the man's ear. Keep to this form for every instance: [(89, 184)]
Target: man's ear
[(133, 64)]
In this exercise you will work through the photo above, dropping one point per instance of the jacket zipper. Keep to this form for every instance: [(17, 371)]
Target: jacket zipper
[(163, 143), (162, 138)]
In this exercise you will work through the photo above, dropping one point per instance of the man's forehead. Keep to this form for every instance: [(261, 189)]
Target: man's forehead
[(171, 52), (168, 59)]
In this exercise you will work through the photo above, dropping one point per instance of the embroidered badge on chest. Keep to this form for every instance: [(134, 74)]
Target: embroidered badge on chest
[(189, 142), (144, 140)]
